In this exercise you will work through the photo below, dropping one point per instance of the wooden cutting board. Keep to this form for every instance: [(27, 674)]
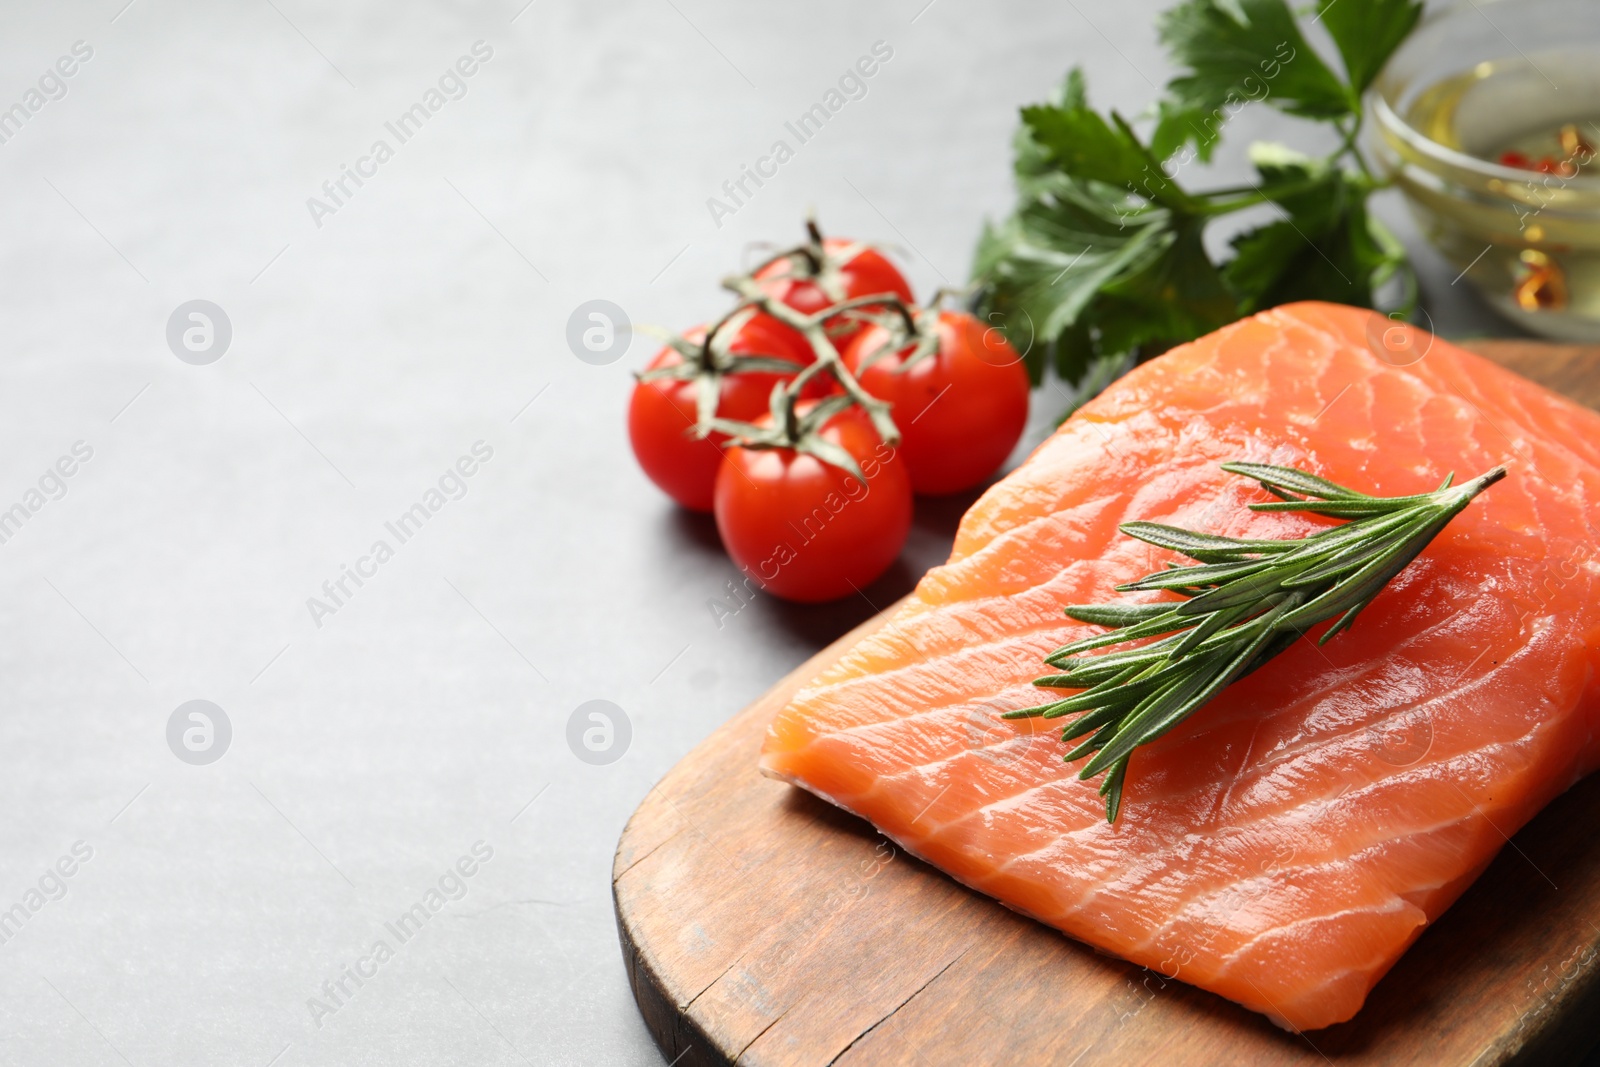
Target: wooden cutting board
[(760, 925)]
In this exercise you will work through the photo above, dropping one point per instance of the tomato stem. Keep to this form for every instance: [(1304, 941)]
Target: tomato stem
[(812, 249), (892, 301), (707, 359), (812, 328)]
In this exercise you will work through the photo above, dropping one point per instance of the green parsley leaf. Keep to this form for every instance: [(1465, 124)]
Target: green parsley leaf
[(1321, 249), (1045, 264), (1172, 294), (1086, 146), (1101, 233), (1367, 32), (1035, 170), (1075, 351), (1244, 51), (1178, 124), (1103, 262)]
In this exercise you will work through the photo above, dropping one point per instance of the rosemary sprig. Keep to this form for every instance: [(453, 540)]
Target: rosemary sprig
[(1246, 601)]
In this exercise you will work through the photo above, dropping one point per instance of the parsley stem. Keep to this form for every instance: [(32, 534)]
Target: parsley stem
[(1226, 207), (1251, 195)]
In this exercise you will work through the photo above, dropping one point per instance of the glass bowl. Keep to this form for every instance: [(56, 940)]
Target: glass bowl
[(1488, 119)]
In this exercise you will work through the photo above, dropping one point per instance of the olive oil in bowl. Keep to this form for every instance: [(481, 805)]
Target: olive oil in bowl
[(1496, 154)]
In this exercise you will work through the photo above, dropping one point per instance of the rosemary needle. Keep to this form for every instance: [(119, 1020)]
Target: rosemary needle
[(1245, 602)]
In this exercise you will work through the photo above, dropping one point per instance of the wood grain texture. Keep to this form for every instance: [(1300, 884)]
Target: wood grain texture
[(760, 925), (1571, 370)]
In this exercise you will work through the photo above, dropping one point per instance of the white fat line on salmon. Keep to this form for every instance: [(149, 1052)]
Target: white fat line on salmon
[(342, 588), (1182, 954), (929, 804), (1564, 572), (1583, 556), (450, 887), (852, 85)]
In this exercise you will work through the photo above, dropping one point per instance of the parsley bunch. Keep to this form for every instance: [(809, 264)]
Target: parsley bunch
[(1103, 259)]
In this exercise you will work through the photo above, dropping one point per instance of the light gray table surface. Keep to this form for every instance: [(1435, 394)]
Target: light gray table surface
[(376, 743)]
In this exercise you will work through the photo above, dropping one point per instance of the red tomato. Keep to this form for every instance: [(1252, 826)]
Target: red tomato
[(661, 414), (806, 530), (861, 273), (960, 410)]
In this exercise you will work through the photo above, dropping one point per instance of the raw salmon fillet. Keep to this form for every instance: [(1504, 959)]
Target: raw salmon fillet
[(1285, 844)]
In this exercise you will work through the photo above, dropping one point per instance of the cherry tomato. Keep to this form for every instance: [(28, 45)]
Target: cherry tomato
[(960, 410), (806, 530), (661, 413), (849, 274)]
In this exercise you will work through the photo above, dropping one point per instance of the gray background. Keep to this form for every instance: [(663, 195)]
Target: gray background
[(428, 313)]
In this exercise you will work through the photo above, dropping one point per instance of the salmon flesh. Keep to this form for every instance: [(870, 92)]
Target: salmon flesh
[(1284, 845)]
